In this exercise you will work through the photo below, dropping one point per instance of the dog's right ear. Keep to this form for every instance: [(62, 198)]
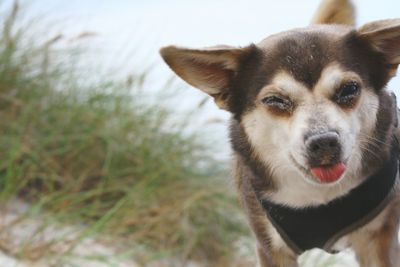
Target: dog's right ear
[(384, 36), (210, 70), (335, 12)]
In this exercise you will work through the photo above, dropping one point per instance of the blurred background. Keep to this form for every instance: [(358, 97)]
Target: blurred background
[(106, 159)]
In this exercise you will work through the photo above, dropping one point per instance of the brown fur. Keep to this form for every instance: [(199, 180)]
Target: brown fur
[(378, 246), (268, 255)]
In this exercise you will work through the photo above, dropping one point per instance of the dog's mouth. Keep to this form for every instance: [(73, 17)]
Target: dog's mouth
[(324, 174)]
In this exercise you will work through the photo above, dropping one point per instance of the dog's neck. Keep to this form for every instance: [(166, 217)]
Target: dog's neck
[(338, 217)]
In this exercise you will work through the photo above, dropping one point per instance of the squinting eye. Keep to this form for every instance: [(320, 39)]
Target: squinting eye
[(278, 102), (347, 93)]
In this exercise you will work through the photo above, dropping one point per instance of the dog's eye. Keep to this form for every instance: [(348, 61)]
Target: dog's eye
[(279, 102), (349, 89), (347, 93)]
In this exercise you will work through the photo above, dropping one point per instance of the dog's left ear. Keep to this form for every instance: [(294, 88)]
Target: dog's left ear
[(210, 70), (384, 36)]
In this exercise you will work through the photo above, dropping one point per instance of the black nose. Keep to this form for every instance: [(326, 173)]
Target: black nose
[(323, 148)]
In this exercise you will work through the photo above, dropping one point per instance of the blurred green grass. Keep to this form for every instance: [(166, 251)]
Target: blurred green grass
[(95, 152)]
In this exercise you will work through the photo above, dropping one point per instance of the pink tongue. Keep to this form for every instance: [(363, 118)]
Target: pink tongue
[(328, 174)]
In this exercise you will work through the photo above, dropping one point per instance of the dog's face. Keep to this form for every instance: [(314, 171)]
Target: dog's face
[(314, 102), (311, 102)]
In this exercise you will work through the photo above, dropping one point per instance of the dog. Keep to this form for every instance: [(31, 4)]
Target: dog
[(313, 132)]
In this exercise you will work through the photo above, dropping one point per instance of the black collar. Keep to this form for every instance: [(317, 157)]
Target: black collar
[(321, 226)]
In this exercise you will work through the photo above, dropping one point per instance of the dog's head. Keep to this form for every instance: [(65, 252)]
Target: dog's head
[(310, 101)]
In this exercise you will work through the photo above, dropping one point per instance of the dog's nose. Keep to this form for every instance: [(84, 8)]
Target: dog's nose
[(323, 148)]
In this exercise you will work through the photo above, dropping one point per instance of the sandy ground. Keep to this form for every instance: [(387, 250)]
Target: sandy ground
[(16, 234)]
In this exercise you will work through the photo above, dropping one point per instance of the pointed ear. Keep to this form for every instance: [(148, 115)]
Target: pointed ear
[(384, 36), (335, 12), (210, 70)]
